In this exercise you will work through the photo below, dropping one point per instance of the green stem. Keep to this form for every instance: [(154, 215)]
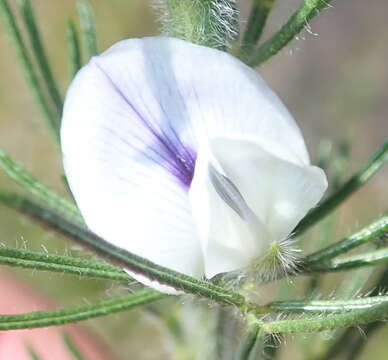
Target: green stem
[(40, 54), (359, 179), (32, 353), (58, 317), (256, 22), (72, 347), (298, 21), (329, 322), (368, 233), (124, 258), (251, 337), (73, 49), (88, 28), (347, 339), (212, 23), (28, 69), (322, 306), (354, 261), (22, 177), (62, 264)]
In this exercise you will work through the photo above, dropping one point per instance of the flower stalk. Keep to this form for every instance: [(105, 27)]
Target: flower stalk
[(213, 23)]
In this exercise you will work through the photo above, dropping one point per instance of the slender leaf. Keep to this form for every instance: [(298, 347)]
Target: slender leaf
[(378, 312), (40, 54), (256, 22), (57, 220), (61, 263), (359, 179), (73, 48), (297, 22), (69, 315), (28, 69), (322, 306), (88, 28), (32, 353), (22, 177), (72, 347), (368, 233), (355, 261)]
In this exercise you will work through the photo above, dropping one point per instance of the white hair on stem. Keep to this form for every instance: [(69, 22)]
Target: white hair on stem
[(206, 22)]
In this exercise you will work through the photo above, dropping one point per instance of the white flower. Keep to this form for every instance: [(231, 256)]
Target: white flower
[(182, 154)]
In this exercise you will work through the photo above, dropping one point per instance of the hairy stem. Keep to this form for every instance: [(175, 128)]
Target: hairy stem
[(298, 21), (58, 317), (368, 233), (58, 221), (329, 322), (62, 264)]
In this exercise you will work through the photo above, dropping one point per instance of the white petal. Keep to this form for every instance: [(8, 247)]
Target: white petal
[(123, 176), (134, 120), (278, 192)]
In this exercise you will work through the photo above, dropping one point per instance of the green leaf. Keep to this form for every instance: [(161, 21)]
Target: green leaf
[(297, 22), (331, 306), (61, 263), (69, 315), (368, 233), (354, 261), (309, 324), (40, 54), (88, 28), (41, 192), (73, 49), (33, 354), (359, 179), (60, 222), (72, 347), (28, 69), (255, 26)]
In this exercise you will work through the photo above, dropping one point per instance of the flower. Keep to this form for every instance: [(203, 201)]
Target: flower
[(182, 154)]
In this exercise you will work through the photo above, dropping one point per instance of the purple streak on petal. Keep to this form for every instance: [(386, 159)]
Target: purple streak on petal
[(177, 158)]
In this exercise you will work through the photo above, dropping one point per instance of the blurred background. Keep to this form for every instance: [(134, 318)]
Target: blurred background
[(334, 79)]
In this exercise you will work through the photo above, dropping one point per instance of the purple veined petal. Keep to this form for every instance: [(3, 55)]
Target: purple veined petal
[(135, 120)]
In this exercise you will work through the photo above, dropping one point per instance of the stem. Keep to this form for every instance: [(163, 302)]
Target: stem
[(40, 54), (88, 28), (368, 233), (58, 317), (329, 322), (62, 264), (251, 337), (73, 49), (354, 261), (22, 177), (256, 22), (212, 23), (346, 340), (28, 69), (32, 353), (132, 262), (322, 306), (298, 21), (352, 185), (72, 347)]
